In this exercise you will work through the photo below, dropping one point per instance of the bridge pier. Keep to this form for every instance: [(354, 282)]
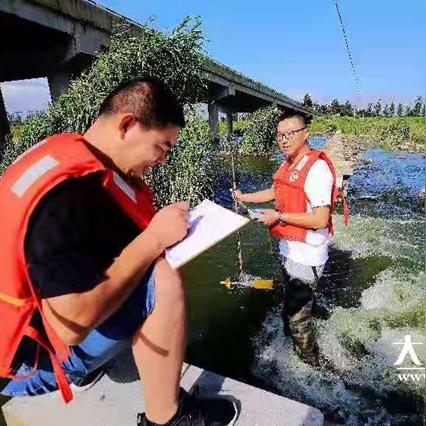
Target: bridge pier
[(4, 123), (229, 125), (213, 109), (59, 81)]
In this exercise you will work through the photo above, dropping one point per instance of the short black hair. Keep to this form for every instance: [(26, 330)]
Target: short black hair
[(306, 119), (149, 99)]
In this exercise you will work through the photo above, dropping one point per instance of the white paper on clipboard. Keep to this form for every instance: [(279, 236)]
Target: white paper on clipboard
[(210, 223)]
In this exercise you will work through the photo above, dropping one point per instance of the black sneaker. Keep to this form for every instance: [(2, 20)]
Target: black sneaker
[(199, 412), (88, 381)]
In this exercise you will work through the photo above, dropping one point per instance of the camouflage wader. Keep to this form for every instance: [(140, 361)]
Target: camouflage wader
[(300, 282)]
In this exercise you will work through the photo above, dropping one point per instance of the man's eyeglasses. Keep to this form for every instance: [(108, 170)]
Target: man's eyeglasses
[(288, 135)]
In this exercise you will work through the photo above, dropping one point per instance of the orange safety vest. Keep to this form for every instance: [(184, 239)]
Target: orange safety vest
[(290, 197), (22, 186)]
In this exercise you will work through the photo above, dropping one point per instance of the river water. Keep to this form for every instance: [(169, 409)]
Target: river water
[(371, 296)]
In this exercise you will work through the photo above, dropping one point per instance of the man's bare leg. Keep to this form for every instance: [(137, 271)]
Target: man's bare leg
[(159, 345)]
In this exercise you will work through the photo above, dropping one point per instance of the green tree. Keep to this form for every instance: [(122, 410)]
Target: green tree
[(369, 110), (400, 110), (347, 109), (323, 109), (15, 118), (378, 108), (408, 111), (417, 108), (392, 109), (335, 107), (386, 110), (307, 101)]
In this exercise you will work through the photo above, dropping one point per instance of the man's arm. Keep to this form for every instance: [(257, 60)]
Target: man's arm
[(318, 187), (263, 196), (74, 315), (318, 219)]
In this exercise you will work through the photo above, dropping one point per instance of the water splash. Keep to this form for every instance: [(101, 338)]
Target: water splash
[(372, 295), (360, 384)]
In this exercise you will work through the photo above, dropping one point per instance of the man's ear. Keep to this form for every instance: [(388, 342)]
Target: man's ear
[(127, 121), (306, 133)]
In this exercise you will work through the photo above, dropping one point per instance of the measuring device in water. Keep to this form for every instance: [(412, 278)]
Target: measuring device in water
[(257, 283)]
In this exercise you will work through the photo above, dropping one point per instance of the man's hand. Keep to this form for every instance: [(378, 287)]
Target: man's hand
[(269, 217), (237, 194), (263, 196), (170, 224)]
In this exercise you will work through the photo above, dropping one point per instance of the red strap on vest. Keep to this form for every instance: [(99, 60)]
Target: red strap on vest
[(61, 378), (345, 208)]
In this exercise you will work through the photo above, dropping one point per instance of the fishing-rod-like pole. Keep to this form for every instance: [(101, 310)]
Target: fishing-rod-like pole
[(234, 187)]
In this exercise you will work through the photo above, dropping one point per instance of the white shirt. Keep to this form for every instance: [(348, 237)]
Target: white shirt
[(318, 187)]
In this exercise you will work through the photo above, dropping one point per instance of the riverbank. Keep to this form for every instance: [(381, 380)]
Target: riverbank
[(393, 133)]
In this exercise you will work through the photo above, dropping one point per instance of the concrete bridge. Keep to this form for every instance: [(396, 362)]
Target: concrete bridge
[(58, 39)]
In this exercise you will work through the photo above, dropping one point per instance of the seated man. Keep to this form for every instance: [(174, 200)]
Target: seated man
[(92, 249)]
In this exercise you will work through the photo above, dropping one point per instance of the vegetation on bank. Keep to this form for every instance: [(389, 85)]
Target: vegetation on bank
[(259, 134), (238, 127), (395, 133), (177, 59)]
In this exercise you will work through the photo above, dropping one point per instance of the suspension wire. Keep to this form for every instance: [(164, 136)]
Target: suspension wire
[(348, 50)]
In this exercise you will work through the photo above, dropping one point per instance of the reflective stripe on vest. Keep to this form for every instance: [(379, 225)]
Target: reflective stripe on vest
[(124, 186), (33, 173)]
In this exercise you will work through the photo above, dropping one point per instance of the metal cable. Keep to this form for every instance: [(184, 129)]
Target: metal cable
[(345, 38)]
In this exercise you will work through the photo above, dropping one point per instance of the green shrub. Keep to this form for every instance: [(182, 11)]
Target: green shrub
[(238, 127), (189, 173), (259, 135), (177, 59)]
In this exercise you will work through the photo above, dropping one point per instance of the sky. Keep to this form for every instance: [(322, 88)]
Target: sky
[(293, 46)]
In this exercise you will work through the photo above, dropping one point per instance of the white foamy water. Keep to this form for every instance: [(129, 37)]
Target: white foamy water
[(397, 238), (362, 386)]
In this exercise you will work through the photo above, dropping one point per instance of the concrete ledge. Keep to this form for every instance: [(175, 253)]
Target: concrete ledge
[(114, 403)]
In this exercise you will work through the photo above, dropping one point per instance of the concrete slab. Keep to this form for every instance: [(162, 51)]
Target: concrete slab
[(116, 399)]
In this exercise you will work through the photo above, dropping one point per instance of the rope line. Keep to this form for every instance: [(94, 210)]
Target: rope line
[(348, 50)]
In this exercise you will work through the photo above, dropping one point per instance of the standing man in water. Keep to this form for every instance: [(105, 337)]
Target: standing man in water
[(82, 257), (304, 190)]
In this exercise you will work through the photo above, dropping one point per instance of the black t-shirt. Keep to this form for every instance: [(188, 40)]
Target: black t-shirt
[(73, 236)]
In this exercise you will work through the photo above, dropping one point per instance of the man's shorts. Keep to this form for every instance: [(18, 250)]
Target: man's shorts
[(101, 345), (309, 275)]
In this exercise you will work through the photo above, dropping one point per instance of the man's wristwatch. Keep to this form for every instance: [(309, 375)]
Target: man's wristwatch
[(280, 217)]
